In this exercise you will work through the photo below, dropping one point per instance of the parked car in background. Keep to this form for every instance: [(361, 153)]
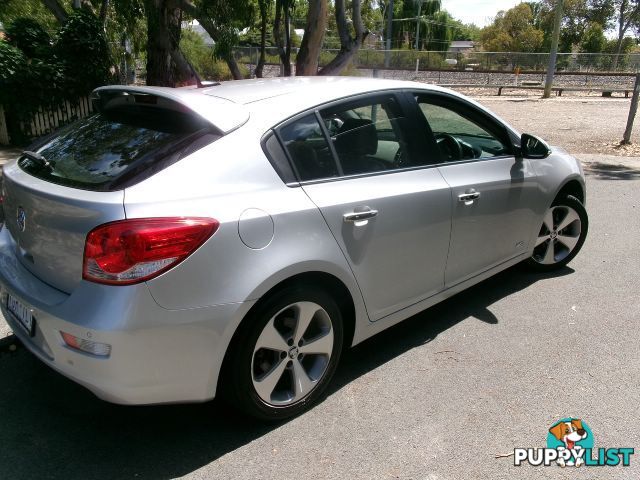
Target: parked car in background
[(185, 243)]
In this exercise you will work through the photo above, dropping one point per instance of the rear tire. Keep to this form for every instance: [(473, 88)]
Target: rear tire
[(561, 236), (285, 354)]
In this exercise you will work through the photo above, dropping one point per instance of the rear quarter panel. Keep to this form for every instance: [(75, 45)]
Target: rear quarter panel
[(225, 181)]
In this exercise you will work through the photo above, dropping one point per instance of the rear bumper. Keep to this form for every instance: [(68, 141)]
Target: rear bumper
[(157, 355)]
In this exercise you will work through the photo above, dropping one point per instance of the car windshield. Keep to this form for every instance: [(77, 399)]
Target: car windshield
[(106, 150)]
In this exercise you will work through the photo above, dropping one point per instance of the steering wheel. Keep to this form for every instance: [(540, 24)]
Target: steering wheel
[(449, 146)]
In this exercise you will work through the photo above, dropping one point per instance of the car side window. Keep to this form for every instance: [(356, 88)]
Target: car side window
[(367, 136), (458, 137), (308, 149)]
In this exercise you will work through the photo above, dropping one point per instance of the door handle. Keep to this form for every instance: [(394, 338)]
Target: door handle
[(358, 216), (468, 197)]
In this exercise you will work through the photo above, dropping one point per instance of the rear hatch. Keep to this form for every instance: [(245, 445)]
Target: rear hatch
[(69, 183)]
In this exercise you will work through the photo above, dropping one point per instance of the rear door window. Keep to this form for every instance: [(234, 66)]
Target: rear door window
[(118, 147), (308, 148), (368, 136)]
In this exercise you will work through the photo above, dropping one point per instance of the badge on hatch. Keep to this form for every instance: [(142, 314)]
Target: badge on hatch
[(21, 219)]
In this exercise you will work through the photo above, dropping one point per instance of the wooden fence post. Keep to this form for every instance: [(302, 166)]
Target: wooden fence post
[(4, 134)]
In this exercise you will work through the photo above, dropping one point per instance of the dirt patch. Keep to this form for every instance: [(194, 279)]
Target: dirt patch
[(580, 125)]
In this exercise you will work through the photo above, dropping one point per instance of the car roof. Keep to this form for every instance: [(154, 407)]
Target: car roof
[(323, 88), (275, 99), (229, 105)]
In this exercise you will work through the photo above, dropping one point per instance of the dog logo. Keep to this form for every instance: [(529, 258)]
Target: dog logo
[(573, 435), (570, 444)]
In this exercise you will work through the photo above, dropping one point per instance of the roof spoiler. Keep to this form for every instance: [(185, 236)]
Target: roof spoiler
[(221, 113)]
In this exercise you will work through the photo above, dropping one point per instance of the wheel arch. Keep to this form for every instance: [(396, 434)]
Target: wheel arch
[(327, 281), (574, 187)]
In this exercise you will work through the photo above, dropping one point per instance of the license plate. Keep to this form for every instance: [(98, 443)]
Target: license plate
[(21, 312)]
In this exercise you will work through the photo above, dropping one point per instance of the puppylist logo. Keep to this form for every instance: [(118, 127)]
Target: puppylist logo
[(570, 444)]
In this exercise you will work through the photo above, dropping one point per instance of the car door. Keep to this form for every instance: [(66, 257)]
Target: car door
[(390, 215), (492, 191)]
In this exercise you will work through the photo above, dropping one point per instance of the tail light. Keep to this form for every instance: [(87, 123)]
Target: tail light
[(132, 251)]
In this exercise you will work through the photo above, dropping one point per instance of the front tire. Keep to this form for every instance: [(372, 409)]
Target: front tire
[(561, 236), (285, 354)]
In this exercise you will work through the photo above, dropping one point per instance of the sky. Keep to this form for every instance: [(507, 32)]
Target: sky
[(479, 12)]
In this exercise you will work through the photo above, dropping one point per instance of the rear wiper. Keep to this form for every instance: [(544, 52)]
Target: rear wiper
[(39, 159)]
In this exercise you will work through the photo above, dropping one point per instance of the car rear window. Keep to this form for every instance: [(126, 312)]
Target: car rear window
[(119, 146)]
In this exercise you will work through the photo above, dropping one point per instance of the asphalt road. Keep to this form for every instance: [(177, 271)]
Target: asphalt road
[(434, 398)]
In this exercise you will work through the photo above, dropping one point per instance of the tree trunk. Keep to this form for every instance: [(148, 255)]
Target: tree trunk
[(349, 46), (628, 14), (206, 23), (56, 8), (307, 61), (233, 67), (614, 66), (263, 37), (166, 66), (283, 42), (104, 9)]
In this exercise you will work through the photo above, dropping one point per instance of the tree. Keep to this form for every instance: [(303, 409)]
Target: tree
[(438, 30), (594, 39), (464, 31), (222, 20), (282, 33), (166, 65), (307, 60), (56, 8), (36, 10), (264, 13), (628, 12), (513, 31), (349, 45), (576, 17)]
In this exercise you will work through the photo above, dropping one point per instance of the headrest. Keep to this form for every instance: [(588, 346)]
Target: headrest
[(357, 136)]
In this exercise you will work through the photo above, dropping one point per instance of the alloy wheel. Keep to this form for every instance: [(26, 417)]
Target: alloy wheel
[(559, 235), (292, 353)]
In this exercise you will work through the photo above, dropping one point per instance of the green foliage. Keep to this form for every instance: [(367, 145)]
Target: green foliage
[(82, 52), (437, 32), (464, 31), (40, 75), (513, 31), (202, 58), (29, 36), (593, 40), (13, 68), (628, 45), (10, 10), (229, 18), (577, 15)]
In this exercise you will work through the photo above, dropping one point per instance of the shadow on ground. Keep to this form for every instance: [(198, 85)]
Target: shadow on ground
[(53, 428), (607, 171)]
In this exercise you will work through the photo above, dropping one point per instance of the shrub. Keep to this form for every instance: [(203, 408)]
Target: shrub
[(30, 37), (83, 53), (202, 58), (13, 69)]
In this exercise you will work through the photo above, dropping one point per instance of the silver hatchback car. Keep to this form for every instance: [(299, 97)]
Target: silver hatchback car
[(184, 243)]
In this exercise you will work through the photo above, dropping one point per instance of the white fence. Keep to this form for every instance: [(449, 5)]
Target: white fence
[(45, 120)]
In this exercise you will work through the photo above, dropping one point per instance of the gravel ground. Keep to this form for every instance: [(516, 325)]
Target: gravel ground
[(578, 125)]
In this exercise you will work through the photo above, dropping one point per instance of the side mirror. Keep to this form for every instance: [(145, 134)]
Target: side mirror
[(533, 147)]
